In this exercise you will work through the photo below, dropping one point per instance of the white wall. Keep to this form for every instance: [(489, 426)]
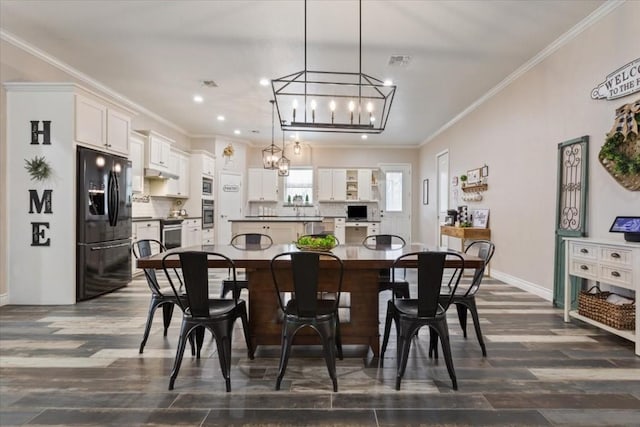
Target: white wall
[(516, 134)]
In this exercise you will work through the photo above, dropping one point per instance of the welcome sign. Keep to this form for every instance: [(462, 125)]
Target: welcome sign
[(622, 82)]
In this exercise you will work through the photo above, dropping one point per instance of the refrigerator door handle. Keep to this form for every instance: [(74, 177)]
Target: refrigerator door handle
[(110, 199), (101, 248), (116, 193)]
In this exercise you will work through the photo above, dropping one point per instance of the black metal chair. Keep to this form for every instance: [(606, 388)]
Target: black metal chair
[(464, 298), (305, 308), (159, 296), (386, 242), (245, 242), (200, 311), (428, 309)]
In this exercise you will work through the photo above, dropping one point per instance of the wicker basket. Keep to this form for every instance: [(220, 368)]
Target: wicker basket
[(596, 307)]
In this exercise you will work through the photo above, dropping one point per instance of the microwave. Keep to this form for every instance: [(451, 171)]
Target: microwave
[(207, 187)]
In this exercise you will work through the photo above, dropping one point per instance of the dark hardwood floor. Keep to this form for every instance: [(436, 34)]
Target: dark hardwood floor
[(79, 365)]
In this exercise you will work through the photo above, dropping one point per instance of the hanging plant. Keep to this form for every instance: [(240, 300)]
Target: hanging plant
[(620, 154), (38, 168)]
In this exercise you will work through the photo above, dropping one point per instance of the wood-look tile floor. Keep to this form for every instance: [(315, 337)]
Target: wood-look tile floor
[(79, 365)]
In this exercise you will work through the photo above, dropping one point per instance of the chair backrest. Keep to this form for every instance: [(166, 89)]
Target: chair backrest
[(195, 271), (251, 241), (320, 235), (483, 249), (145, 248), (383, 242), (305, 274), (430, 266)]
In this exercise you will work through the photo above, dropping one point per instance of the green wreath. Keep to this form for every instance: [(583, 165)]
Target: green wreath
[(38, 168), (623, 163)]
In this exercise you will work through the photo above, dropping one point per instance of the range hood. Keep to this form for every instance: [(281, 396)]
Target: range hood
[(158, 174)]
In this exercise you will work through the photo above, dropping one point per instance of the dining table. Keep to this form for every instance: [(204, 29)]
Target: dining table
[(360, 282)]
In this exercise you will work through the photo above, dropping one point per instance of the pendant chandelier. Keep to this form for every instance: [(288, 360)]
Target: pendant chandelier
[(325, 101), (271, 154), (297, 149), (283, 163)]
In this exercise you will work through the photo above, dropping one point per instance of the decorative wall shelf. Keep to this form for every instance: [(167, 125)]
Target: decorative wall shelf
[(479, 188)]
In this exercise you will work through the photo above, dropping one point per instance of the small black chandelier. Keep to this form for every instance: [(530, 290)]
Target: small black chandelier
[(324, 101), (271, 154), (283, 163)]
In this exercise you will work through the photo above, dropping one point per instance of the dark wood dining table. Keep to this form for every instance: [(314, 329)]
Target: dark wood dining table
[(362, 266)]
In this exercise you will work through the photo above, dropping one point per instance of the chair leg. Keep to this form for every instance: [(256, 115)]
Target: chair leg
[(404, 344), (387, 327), (287, 338), (338, 338), (476, 324), (222, 332), (462, 317), (199, 331), (443, 331), (245, 329), (328, 344), (153, 305), (182, 342), (167, 312), (433, 343)]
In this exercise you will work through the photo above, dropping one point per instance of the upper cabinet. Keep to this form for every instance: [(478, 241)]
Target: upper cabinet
[(263, 185), (136, 155), (157, 152), (360, 185), (332, 185), (101, 126), (208, 165), (178, 165)]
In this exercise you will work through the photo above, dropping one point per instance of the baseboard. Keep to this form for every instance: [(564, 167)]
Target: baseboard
[(4, 299), (523, 284)]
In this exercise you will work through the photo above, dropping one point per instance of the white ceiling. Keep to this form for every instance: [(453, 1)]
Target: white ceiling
[(156, 53)]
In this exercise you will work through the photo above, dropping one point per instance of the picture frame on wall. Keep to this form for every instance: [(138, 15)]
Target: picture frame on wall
[(473, 176), (425, 192), (484, 171), (480, 218)]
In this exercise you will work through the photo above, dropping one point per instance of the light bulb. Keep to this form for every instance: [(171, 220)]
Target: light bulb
[(332, 105), (352, 106), (369, 106), (313, 104)]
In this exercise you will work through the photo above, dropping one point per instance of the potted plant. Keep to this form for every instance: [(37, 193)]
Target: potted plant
[(463, 178)]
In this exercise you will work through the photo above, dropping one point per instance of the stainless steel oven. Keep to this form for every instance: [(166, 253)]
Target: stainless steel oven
[(207, 213), (207, 187), (171, 230)]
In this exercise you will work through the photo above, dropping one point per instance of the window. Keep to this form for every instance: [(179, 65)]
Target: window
[(299, 183), (393, 189)]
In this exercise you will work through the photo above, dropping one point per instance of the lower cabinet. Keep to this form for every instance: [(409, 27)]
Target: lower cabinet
[(140, 231), (191, 232), (207, 236), (280, 232)]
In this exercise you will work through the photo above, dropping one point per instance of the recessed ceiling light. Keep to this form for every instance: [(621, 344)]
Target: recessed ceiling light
[(364, 137), (388, 82), (237, 132), (264, 82), (198, 99), (221, 118)]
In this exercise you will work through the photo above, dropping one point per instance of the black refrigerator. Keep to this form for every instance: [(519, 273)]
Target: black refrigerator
[(103, 223)]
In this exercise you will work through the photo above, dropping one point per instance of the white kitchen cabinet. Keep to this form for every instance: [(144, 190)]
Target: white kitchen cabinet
[(339, 229), (178, 165), (101, 126), (332, 185), (207, 236), (208, 165), (142, 230), (158, 150), (263, 185), (136, 155), (359, 184), (279, 231), (191, 232), (373, 228)]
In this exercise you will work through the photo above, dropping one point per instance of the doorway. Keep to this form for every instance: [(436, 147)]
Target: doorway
[(395, 200), (229, 205), (442, 166)]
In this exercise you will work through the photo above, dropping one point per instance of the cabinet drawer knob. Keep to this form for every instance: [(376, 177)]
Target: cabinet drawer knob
[(615, 274), (615, 255), (584, 267), (584, 251)]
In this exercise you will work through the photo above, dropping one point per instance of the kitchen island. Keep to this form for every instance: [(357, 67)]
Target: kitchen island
[(282, 229)]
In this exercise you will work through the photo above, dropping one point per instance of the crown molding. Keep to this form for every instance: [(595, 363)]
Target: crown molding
[(576, 30), (50, 59)]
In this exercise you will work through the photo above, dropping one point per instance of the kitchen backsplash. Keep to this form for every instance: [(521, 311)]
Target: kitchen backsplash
[(155, 207)]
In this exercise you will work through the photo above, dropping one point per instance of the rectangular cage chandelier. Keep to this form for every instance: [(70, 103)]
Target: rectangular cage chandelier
[(326, 101)]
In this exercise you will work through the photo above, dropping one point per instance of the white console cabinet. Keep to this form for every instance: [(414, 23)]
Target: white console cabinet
[(606, 262)]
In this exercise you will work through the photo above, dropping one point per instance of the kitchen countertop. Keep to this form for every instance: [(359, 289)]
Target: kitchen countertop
[(278, 219), (158, 218)]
